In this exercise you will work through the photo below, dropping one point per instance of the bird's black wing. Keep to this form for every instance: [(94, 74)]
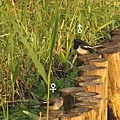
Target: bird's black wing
[(78, 42)]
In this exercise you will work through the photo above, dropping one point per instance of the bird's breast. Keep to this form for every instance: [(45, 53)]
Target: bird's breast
[(54, 107), (82, 51)]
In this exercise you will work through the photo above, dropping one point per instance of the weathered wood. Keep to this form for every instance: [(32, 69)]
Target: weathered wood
[(53, 115), (115, 32), (79, 114), (79, 109), (84, 94), (50, 118), (86, 78), (88, 99), (109, 44), (92, 83), (71, 116), (92, 70), (98, 70), (56, 114), (69, 90), (103, 62), (85, 58), (85, 105), (99, 62), (68, 99), (115, 38), (113, 56)]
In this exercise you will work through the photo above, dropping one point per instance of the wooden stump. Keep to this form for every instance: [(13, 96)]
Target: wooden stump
[(80, 114), (86, 78), (50, 118), (99, 62), (85, 58), (68, 99), (115, 32), (102, 89), (113, 56), (103, 62), (82, 110), (115, 38)]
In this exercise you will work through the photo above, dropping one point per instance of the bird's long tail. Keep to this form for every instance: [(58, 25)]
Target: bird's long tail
[(97, 46), (92, 47)]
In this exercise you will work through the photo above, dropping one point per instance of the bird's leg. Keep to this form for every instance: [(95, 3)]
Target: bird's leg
[(75, 57)]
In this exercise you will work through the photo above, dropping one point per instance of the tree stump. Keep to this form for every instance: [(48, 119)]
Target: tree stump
[(102, 89), (50, 118), (103, 62), (85, 58), (83, 110), (68, 99), (80, 114), (115, 32), (86, 78), (113, 56)]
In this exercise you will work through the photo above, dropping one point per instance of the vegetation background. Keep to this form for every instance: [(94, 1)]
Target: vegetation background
[(36, 48)]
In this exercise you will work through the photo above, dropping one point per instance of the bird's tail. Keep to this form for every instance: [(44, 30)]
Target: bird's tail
[(97, 46), (92, 47)]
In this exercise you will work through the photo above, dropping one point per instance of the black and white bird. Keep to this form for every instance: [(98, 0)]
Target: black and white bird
[(55, 103), (83, 48)]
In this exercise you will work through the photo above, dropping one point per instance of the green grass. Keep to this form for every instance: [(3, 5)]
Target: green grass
[(36, 38)]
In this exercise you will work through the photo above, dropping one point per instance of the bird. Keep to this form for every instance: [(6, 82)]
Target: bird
[(83, 48), (55, 103)]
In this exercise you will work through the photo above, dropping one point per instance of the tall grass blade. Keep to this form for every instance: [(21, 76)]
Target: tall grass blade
[(35, 117), (16, 72), (37, 63), (54, 34), (105, 25)]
